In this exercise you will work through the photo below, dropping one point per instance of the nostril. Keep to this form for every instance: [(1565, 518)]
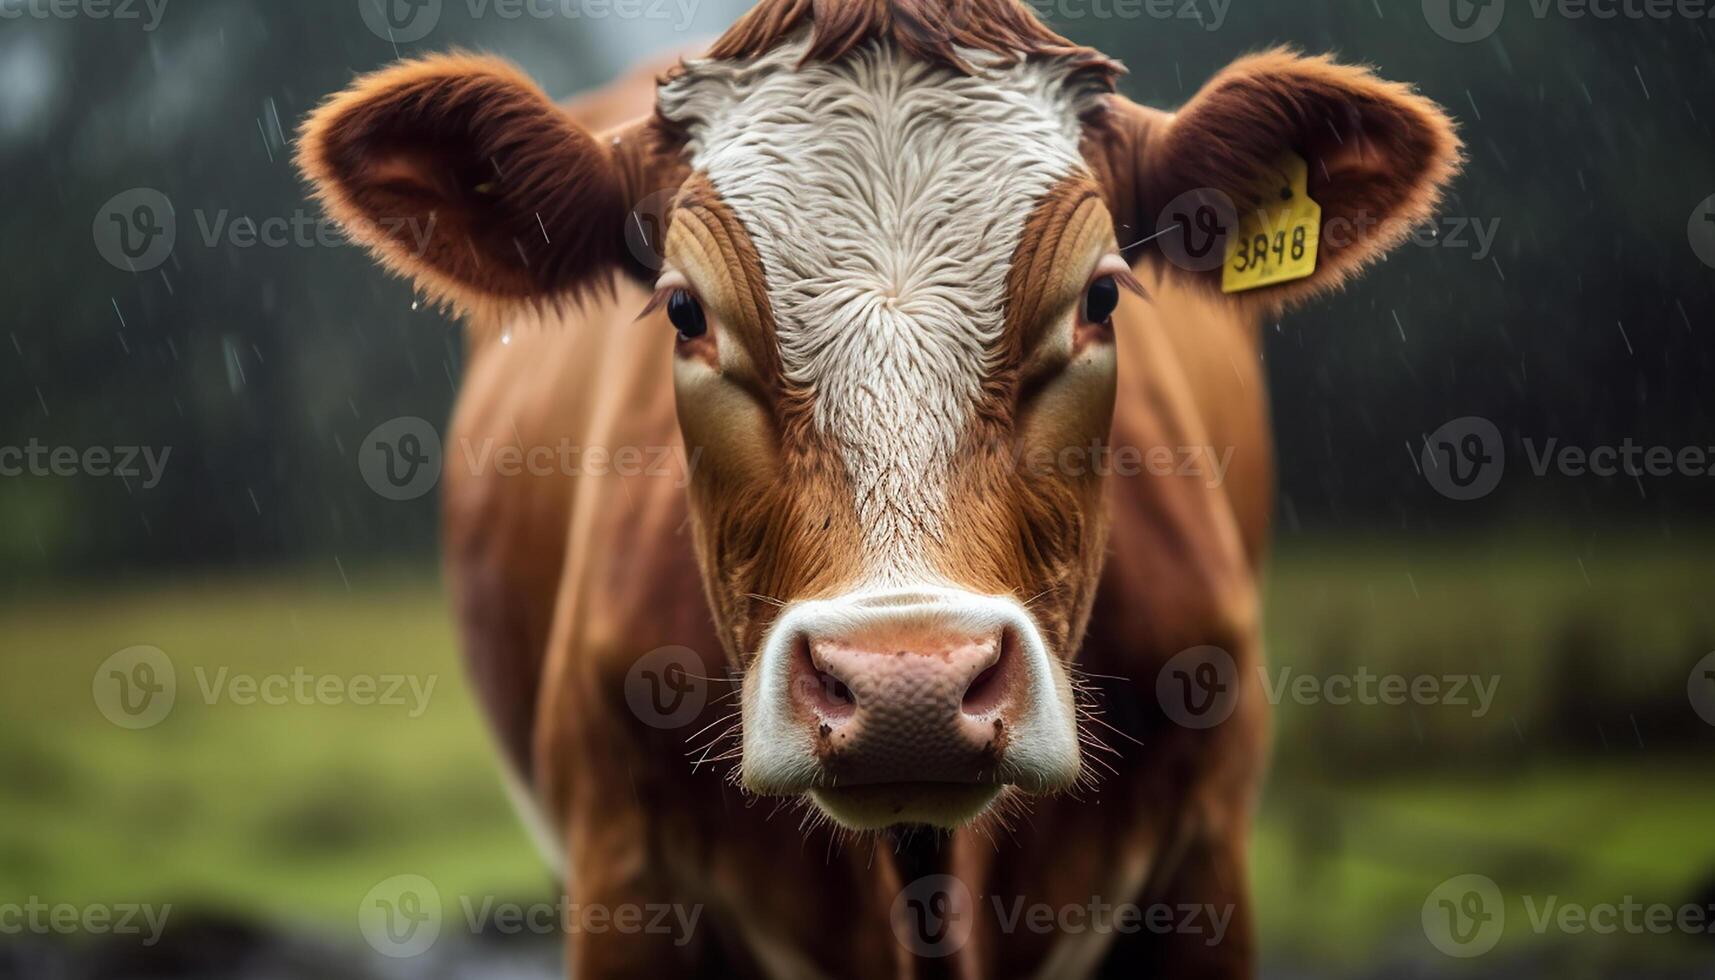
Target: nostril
[(819, 688), (837, 691), (988, 691), (983, 694)]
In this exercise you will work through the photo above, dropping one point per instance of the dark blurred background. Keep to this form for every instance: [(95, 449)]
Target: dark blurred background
[(1560, 297), (1564, 293)]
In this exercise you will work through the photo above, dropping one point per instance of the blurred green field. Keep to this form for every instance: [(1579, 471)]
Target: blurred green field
[(1592, 787), (290, 812)]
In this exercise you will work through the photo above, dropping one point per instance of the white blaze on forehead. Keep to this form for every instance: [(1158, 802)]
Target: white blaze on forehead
[(885, 197)]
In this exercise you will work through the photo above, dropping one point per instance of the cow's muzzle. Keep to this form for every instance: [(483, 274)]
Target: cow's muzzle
[(908, 706)]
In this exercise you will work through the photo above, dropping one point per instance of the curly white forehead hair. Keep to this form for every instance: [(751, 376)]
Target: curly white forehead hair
[(885, 196)]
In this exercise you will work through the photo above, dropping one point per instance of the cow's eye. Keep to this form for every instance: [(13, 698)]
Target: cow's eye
[(686, 314), (1100, 300)]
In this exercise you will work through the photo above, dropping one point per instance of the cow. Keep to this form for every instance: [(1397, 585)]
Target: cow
[(899, 285)]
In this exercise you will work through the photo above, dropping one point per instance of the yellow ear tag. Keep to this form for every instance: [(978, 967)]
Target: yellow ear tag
[(1275, 241)]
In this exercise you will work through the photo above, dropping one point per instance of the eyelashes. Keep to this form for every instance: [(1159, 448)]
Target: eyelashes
[(1129, 283), (1116, 268), (684, 309), (655, 302), (1102, 296)]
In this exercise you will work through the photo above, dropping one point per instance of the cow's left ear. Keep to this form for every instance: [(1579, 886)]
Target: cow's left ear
[(459, 173), (1378, 157)]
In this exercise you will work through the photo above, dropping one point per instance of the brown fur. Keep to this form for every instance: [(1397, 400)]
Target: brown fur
[(1051, 234), (727, 247), (1377, 152), (1028, 529), (929, 31), (782, 524), (520, 205), (563, 583)]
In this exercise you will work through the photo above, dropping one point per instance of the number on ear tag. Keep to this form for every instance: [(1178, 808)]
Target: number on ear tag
[(1276, 240)]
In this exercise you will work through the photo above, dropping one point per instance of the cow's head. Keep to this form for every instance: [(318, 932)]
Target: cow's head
[(891, 266)]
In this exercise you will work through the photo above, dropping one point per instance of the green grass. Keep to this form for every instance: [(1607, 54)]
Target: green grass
[(292, 813), (1590, 646), (1341, 876), (1588, 778)]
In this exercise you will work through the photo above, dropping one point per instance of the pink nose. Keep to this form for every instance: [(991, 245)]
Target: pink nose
[(908, 703)]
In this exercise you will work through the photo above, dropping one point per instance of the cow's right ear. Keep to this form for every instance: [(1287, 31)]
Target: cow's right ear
[(459, 173)]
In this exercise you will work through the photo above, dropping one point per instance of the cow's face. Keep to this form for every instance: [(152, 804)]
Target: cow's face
[(892, 285), (891, 279)]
